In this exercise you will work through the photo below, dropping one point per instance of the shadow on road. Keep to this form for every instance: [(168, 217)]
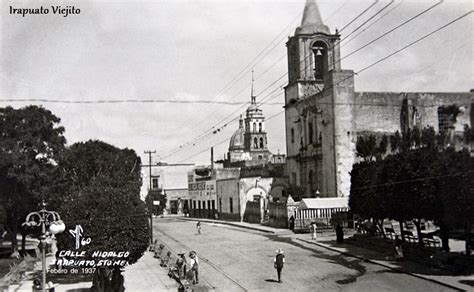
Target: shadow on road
[(467, 282), (271, 280), (336, 259), (438, 264)]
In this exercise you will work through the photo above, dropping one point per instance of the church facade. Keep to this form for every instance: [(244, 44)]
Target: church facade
[(324, 115)]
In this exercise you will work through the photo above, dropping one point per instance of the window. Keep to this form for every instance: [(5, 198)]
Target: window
[(292, 135), (310, 133), (154, 183), (204, 205), (310, 183), (261, 143), (260, 127), (444, 120), (199, 205), (231, 207), (254, 127), (220, 204), (255, 143), (213, 204), (260, 157)]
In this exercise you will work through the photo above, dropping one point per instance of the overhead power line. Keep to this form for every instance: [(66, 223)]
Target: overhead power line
[(371, 24), (390, 31), (368, 20), (392, 54), (276, 40), (358, 16), (370, 66), (123, 101)]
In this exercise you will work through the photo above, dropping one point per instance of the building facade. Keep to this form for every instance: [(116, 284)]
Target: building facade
[(169, 180), (248, 145), (250, 173), (324, 114)]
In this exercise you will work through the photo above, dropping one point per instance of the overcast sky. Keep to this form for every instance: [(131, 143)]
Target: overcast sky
[(189, 51)]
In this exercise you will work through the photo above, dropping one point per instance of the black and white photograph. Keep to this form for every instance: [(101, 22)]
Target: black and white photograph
[(244, 145)]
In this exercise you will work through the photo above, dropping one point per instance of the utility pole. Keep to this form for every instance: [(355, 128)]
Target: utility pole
[(149, 194)]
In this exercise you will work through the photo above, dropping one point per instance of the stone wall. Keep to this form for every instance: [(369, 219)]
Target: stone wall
[(381, 111), (343, 94), (252, 212), (278, 215), (227, 189)]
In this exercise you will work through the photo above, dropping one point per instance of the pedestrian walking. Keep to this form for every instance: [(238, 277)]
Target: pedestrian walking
[(278, 263), (398, 248), (312, 229), (292, 223), (198, 227), (194, 264), (339, 234)]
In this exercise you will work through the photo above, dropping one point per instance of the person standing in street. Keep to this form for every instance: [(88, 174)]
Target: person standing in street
[(398, 248), (198, 227), (278, 263), (339, 234), (194, 264), (181, 265), (312, 229), (292, 223)]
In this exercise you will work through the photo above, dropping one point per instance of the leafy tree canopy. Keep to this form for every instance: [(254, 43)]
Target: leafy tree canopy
[(103, 196), (31, 145)]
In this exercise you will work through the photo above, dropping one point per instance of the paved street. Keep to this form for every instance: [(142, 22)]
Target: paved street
[(235, 259)]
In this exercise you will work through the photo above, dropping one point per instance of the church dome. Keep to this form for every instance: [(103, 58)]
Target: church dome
[(252, 108), (237, 140)]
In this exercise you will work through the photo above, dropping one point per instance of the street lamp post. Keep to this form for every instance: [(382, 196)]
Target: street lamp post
[(45, 218)]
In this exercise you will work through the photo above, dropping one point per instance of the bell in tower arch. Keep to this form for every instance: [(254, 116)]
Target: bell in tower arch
[(319, 49)]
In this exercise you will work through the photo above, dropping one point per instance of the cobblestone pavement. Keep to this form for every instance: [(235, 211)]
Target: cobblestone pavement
[(237, 259)]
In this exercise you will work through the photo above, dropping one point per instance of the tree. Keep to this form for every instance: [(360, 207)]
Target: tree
[(366, 147), (156, 195), (365, 199), (468, 136), (296, 192), (103, 196), (395, 141), (382, 148), (31, 146)]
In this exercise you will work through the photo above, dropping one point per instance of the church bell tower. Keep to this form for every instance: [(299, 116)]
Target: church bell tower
[(317, 108), (312, 52)]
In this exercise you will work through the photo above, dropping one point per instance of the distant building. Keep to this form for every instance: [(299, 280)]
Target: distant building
[(248, 145), (250, 173), (170, 180), (324, 115)]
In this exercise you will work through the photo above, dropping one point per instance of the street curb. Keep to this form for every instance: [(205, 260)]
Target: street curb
[(383, 265), (225, 223)]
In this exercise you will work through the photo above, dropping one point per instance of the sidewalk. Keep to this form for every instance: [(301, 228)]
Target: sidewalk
[(327, 240), (147, 275)]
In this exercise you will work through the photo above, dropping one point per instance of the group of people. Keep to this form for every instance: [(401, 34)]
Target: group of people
[(187, 270), (182, 269)]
